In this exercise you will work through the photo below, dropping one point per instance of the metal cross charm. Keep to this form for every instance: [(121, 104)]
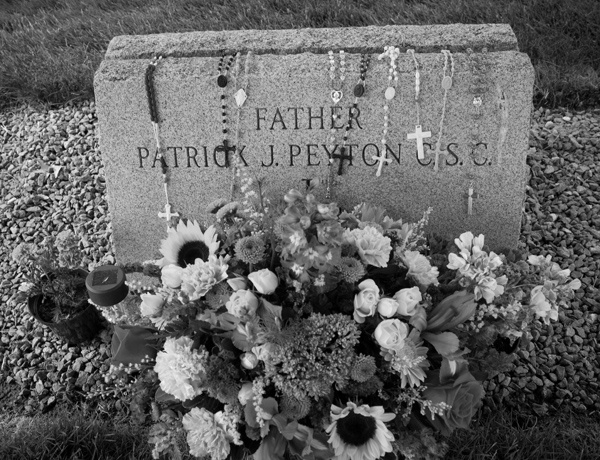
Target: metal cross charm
[(226, 148), (341, 156), (419, 135), (470, 197), (438, 151), (381, 159), (167, 215)]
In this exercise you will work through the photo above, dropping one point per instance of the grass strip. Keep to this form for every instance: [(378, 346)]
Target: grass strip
[(49, 49)]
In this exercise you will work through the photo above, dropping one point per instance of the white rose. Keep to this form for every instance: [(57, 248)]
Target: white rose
[(171, 275), (237, 283), (265, 281), (152, 304), (249, 360), (242, 304), (408, 300), (245, 394), (390, 334), (387, 307), (365, 302)]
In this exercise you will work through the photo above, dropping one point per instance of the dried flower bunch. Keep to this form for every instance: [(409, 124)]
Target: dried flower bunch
[(304, 330)]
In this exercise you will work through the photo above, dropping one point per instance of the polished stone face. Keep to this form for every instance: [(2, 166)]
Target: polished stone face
[(283, 129)]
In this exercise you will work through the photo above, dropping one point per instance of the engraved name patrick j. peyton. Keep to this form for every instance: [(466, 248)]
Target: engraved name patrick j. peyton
[(311, 154)]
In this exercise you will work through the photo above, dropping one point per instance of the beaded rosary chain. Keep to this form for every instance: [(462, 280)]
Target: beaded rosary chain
[(393, 53), (222, 82), (153, 109), (337, 93), (359, 91)]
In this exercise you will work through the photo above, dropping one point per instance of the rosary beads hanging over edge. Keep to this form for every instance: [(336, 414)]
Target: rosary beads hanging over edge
[(153, 109)]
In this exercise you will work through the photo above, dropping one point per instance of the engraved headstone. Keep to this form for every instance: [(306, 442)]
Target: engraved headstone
[(478, 96)]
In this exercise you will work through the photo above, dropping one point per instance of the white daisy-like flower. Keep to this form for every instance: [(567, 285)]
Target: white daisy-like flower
[(410, 362), (187, 243), (359, 432)]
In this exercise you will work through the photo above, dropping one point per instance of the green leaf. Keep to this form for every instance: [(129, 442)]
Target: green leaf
[(272, 447)]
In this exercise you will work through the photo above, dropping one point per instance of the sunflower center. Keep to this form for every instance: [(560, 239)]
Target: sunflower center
[(356, 429), (190, 251)]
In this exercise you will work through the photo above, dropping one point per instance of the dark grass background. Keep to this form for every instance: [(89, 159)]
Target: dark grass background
[(49, 49)]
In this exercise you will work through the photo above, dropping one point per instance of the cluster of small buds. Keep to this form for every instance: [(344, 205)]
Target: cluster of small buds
[(320, 280), (477, 321), (137, 287), (410, 396), (258, 388), (434, 408)]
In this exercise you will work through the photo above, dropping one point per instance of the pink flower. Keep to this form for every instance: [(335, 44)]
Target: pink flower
[(387, 307), (420, 268), (390, 334), (373, 248), (408, 299), (365, 302), (265, 281), (242, 304)]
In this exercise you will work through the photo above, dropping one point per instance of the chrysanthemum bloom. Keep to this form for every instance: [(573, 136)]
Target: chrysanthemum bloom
[(180, 369), (199, 278), (363, 368), (210, 434), (250, 249), (293, 407), (351, 269), (187, 243), (359, 432), (373, 248)]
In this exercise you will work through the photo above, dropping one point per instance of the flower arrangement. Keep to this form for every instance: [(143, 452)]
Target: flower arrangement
[(302, 330), (51, 270)]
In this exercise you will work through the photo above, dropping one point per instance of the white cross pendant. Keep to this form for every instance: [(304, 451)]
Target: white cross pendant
[(167, 215), (419, 135), (382, 159)]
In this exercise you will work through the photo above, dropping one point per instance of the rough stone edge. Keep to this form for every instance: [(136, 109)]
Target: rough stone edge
[(370, 39)]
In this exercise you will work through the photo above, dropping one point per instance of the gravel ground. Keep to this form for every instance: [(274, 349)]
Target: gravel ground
[(51, 178)]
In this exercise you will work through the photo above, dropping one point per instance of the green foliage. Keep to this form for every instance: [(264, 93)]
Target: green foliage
[(50, 49), (71, 434), (513, 435)]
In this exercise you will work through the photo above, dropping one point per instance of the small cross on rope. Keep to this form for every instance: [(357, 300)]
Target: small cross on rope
[(438, 151), (341, 156), (470, 197), (382, 159), (419, 135), (167, 215)]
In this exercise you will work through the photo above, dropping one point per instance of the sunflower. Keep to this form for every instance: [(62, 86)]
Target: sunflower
[(359, 432), (187, 243)]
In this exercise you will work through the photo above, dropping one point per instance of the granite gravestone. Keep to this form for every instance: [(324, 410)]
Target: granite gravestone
[(286, 122)]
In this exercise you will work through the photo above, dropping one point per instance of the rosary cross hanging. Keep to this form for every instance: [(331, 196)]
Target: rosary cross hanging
[(419, 134)]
